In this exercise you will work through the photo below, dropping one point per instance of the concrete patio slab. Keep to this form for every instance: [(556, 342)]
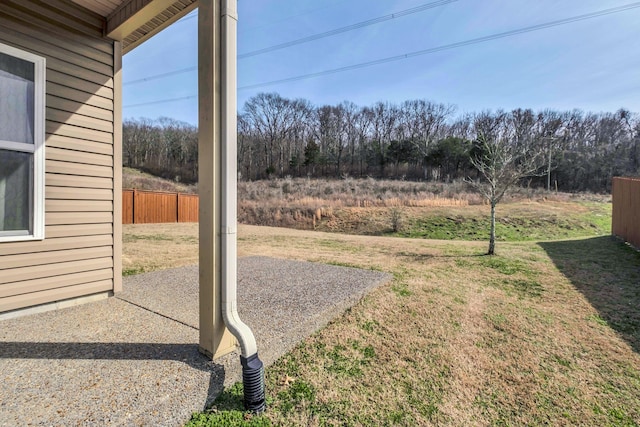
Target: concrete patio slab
[(133, 359)]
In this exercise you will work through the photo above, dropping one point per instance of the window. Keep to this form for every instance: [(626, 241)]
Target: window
[(22, 93)]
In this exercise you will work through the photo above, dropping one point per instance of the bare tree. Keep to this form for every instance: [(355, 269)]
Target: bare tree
[(362, 123), (273, 119), (246, 143), (331, 132), (422, 123), (384, 117), (502, 163), (548, 130)]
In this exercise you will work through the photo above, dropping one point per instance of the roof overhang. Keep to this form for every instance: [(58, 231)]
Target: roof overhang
[(134, 21)]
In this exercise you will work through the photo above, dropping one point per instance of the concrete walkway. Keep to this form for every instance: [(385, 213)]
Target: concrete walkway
[(133, 359)]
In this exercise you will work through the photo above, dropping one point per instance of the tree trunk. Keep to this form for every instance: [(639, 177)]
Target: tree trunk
[(549, 172), (492, 236)]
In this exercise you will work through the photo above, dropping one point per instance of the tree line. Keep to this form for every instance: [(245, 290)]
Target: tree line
[(416, 139), (165, 147)]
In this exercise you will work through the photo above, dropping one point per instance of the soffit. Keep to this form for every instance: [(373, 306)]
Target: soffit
[(101, 7), (134, 21)]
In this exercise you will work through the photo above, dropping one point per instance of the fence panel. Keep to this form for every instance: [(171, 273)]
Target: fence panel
[(144, 207), (625, 216), (127, 206), (151, 207), (188, 205)]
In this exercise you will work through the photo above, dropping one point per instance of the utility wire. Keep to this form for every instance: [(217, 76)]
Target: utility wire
[(449, 46), (195, 14), (304, 39), (351, 27), (496, 36), (161, 101), (242, 29), (159, 76)]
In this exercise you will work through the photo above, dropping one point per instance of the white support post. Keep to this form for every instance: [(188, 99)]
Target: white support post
[(215, 339)]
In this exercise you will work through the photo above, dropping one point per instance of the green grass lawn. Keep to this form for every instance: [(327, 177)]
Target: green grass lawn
[(541, 334), (590, 219), (547, 332)]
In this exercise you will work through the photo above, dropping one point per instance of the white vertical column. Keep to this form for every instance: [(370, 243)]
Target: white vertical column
[(215, 339)]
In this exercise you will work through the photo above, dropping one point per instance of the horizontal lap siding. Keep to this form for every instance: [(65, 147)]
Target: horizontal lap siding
[(76, 256)]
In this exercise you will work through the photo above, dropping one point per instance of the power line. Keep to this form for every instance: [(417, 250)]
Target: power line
[(427, 51), (242, 30), (159, 76), (194, 14), (304, 39), (351, 27), (161, 101), (449, 46)]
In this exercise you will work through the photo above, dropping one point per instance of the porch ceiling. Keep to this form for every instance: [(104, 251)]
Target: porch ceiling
[(101, 7), (134, 21)]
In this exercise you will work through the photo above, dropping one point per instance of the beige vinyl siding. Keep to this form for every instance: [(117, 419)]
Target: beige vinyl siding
[(57, 17), (69, 193), (30, 286), (78, 169), (68, 143), (60, 180), (76, 258), (79, 205), (72, 106), (55, 231), (58, 244), (56, 294), (71, 156), (59, 82), (61, 129)]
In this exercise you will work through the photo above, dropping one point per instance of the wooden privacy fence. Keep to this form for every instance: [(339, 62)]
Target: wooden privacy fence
[(625, 222), (143, 207)]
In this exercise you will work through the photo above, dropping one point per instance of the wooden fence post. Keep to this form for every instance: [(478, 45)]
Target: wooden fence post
[(133, 206), (178, 207)]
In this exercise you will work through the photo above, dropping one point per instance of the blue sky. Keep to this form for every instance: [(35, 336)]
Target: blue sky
[(593, 65)]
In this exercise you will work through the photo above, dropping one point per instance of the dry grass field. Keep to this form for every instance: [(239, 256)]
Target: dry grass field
[(544, 333), (134, 178), (385, 207)]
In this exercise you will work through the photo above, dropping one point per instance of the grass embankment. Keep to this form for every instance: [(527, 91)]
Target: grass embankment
[(542, 333), (134, 178), (418, 209)]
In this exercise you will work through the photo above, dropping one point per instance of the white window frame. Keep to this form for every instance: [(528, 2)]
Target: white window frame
[(37, 148)]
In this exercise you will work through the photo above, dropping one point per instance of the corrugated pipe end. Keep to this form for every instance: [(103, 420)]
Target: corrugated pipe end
[(253, 381)]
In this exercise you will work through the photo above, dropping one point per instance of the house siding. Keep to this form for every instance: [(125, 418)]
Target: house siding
[(77, 256)]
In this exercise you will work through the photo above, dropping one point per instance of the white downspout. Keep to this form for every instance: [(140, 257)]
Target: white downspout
[(253, 370)]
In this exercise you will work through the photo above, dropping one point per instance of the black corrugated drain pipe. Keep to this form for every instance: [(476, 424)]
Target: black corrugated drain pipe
[(253, 380)]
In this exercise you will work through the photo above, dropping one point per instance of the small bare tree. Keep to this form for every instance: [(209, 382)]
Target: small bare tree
[(501, 163)]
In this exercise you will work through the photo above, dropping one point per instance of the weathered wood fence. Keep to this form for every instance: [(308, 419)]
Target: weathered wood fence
[(143, 207), (625, 222)]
